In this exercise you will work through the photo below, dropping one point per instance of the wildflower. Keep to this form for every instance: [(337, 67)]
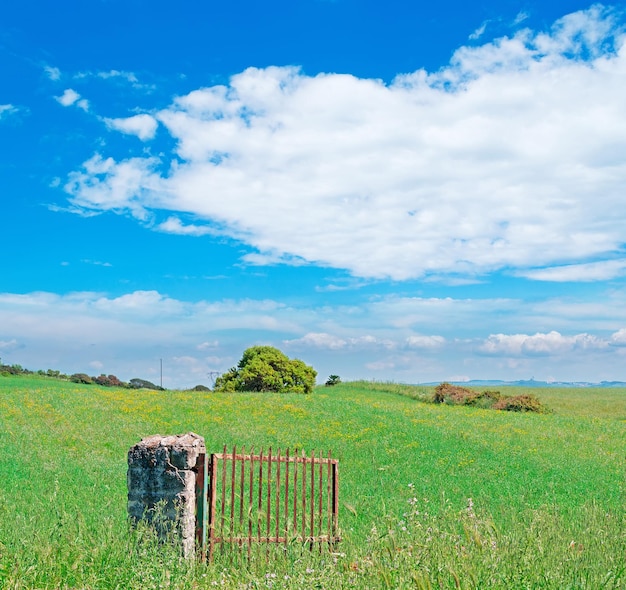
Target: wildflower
[(470, 508), (309, 570)]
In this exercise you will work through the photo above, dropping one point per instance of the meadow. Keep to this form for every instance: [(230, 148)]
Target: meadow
[(431, 496)]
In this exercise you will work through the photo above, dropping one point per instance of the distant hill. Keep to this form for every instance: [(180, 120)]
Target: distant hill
[(533, 383)]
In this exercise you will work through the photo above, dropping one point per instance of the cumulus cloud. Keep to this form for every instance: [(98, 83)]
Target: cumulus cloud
[(143, 126), (71, 97), (552, 343), (508, 158), (130, 332), (68, 98), (105, 185), (618, 338)]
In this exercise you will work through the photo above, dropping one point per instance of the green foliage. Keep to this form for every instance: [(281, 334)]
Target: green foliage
[(137, 383), (452, 394), (13, 369), (446, 393), (265, 368), (81, 378), (200, 388), (108, 381), (520, 403), (332, 381)]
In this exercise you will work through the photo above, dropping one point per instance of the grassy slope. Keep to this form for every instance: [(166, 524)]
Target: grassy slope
[(62, 470)]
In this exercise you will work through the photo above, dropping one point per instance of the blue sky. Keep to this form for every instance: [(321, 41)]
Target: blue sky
[(402, 191)]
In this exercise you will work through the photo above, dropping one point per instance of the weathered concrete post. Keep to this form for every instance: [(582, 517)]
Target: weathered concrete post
[(162, 471)]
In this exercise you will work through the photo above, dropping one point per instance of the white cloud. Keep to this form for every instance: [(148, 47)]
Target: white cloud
[(319, 340), (521, 17), (129, 333), (327, 341), (425, 341), (68, 98), (619, 338), (143, 126), (173, 225), (478, 33), (590, 271), (7, 110), (552, 343), (8, 344), (105, 185), (71, 97), (509, 158), (208, 345), (116, 76), (129, 76), (53, 74)]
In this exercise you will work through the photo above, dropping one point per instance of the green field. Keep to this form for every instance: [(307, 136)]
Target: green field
[(431, 496)]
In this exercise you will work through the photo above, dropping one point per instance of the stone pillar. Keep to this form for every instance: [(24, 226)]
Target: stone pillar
[(162, 471)]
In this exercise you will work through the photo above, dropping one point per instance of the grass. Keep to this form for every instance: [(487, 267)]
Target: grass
[(431, 496)]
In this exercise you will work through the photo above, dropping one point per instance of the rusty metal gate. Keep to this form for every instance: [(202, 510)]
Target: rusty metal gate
[(245, 499)]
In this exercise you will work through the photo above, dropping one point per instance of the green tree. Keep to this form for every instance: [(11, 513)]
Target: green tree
[(265, 368), (332, 380)]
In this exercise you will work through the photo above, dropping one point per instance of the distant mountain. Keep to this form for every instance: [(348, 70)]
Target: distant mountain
[(533, 383)]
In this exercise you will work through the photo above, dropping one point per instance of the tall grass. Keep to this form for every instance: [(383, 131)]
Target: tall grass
[(430, 496)]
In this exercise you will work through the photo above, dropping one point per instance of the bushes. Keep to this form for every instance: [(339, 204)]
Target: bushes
[(81, 378), (520, 403), (143, 384), (109, 381), (13, 369), (446, 393), (451, 394), (265, 368), (200, 388), (332, 380)]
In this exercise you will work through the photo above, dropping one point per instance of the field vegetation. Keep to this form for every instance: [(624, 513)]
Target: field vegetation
[(431, 495)]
